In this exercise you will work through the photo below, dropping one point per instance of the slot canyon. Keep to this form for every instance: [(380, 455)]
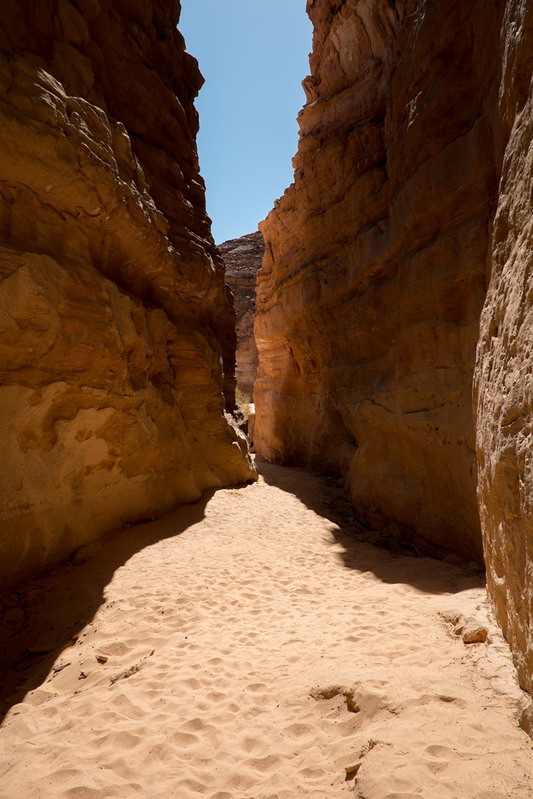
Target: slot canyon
[(348, 609), (242, 261)]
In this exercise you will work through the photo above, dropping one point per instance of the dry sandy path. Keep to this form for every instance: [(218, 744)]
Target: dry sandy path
[(248, 649)]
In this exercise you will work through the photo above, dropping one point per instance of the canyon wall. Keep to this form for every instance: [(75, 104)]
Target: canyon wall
[(116, 329), (504, 368), (374, 270), (415, 139), (242, 258)]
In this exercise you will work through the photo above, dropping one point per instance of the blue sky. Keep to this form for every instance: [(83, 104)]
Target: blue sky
[(253, 55)]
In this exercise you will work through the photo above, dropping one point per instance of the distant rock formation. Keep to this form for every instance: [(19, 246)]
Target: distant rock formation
[(412, 190), (242, 258), (116, 335)]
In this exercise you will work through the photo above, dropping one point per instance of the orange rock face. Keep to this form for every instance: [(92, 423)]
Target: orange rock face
[(242, 259), (374, 275), (112, 297), (504, 369)]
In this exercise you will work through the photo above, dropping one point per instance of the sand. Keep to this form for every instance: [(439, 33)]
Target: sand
[(248, 648)]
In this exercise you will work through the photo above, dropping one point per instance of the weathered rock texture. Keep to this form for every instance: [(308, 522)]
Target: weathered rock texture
[(504, 369), (112, 296), (375, 275), (242, 259), (375, 265)]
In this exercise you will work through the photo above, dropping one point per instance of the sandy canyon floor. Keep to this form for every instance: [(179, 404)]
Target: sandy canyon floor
[(249, 647)]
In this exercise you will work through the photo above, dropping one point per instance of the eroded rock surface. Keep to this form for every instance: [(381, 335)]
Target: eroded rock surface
[(112, 298), (242, 258), (412, 191), (374, 276), (504, 369)]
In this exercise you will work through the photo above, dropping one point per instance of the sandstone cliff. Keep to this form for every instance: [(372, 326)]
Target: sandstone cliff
[(416, 131), (112, 296), (375, 265), (242, 259), (504, 369)]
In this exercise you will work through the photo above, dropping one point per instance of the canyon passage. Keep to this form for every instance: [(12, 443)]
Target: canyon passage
[(250, 646)]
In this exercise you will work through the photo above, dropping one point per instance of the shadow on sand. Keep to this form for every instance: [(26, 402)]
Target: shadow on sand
[(364, 550), (33, 632)]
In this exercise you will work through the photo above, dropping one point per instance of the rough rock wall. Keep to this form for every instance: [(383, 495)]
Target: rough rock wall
[(374, 273), (112, 298), (242, 258), (504, 369)]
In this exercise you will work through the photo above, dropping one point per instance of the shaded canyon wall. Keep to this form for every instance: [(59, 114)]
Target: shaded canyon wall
[(242, 259), (414, 135), (116, 331)]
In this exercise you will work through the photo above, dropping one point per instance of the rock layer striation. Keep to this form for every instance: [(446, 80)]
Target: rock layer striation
[(115, 326), (242, 259), (412, 190)]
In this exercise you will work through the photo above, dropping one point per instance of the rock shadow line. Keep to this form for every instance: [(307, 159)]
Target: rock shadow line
[(365, 550), (32, 631)]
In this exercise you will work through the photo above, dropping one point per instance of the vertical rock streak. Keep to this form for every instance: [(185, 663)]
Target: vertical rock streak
[(115, 328)]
